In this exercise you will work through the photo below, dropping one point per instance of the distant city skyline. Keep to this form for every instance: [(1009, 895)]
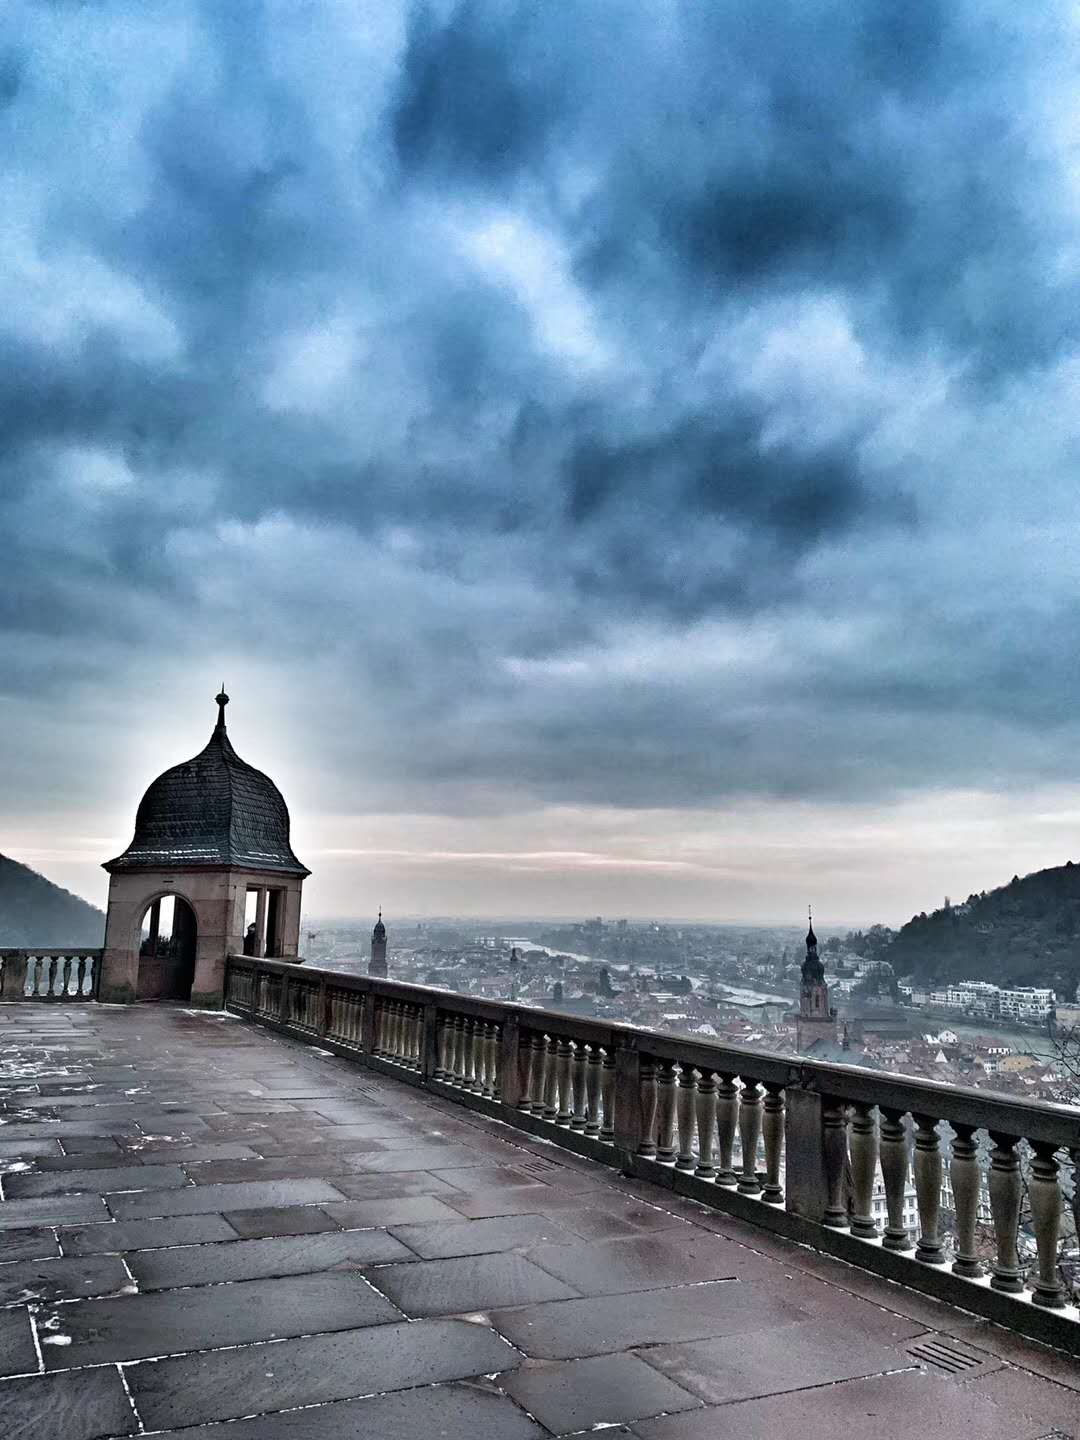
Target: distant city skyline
[(618, 465)]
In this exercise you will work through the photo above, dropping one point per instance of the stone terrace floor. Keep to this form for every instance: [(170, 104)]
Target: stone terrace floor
[(203, 1221)]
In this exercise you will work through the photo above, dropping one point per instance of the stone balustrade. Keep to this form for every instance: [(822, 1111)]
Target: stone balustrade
[(793, 1146), (69, 974)]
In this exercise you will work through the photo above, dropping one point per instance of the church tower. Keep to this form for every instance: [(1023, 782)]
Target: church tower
[(815, 1020), (210, 872), (377, 963)]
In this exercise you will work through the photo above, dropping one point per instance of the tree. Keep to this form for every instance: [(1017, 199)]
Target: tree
[(1065, 1040)]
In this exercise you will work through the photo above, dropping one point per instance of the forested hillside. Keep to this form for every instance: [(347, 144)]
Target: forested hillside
[(34, 911), (1025, 933)]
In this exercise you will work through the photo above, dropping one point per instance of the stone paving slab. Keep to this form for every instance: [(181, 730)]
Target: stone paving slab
[(590, 1394), (51, 1210), (411, 1209), (68, 1279), (263, 1259), (887, 1407), (116, 1236), (258, 1378), (442, 1412), (767, 1363), (481, 1237), (287, 1220), (576, 1328), (403, 1185), (476, 1282), (205, 1199), (75, 1405), (648, 1262), (27, 1149), (168, 1322), (29, 1244), (97, 1181), (18, 1354)]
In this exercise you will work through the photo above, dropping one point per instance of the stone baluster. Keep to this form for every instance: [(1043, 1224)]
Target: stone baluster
[(45, 969), (564, 1058), (1006, 1191), (928, 1176), (894, 1174), (1044, 1192), (706, 1124), (479, 1056), (647, 1074), (30, 976), (665, 1110), (579, 1118), (864, 1161), (526, 1096), (441, 1049), (749, 1135), (773, 1130), (685, 1116), (966, 1179), (835, 1147), (397, 1031), (420, 1019), (607, 1095), (457, 1049), (491, 1067), (551, 1078), (469, 1081), (592, 1089), (727, 1120), (461, 1063)]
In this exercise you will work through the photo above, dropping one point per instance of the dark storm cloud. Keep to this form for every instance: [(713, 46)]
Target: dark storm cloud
[(595, 397)]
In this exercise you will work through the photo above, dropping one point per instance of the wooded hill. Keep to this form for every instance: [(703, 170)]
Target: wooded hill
[(1025, 933), (34, 911)]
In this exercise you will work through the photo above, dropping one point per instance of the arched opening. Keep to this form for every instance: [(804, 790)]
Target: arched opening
[(167, 950)]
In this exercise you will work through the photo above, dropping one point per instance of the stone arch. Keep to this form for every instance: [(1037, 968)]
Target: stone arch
[(166, 962)]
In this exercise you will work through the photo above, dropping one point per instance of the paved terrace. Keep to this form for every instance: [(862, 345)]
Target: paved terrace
[(204, 1221)]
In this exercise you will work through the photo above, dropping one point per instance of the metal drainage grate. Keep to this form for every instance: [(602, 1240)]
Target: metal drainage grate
[(538, 1166), (945, 1355)]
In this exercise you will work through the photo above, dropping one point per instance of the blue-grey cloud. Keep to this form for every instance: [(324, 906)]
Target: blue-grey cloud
[(619, 406)]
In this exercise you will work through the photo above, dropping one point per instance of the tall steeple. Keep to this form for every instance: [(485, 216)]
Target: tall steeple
[(377, 963), (816, 1020)]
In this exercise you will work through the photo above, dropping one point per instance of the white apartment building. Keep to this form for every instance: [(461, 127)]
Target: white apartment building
[(980, 998), (1025, 1002)]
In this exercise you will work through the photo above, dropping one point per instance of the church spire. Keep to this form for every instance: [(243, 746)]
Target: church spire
[(222, 700)]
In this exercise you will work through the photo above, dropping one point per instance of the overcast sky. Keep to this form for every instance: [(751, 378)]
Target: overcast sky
[(621, 455)]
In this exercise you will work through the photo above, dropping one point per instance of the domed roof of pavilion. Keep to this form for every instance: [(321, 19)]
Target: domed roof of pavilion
[(214, 810)]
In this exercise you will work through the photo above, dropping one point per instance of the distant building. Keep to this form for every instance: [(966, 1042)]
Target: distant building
[(377, 963), (816, 1020), (211, 853)]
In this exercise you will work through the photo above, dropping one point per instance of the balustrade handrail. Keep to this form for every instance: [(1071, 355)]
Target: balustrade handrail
[(50, 952), (963, 1105)]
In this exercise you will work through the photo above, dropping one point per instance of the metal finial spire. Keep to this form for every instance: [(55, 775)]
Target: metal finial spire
[(222, 700)]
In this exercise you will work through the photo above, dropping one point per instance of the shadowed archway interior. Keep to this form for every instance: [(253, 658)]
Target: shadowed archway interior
[(167, 950)]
